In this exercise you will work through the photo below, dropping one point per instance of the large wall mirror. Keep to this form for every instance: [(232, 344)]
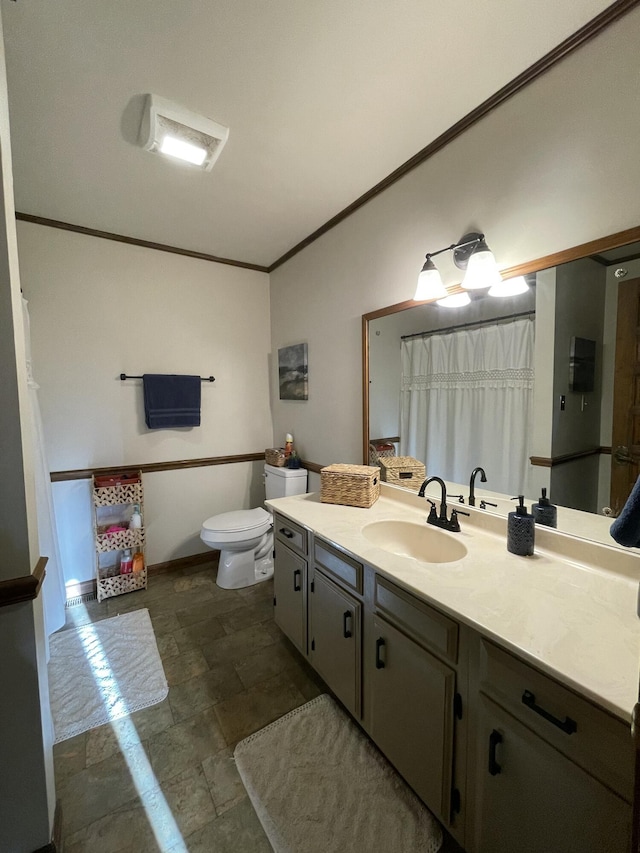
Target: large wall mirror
[(540, 389)]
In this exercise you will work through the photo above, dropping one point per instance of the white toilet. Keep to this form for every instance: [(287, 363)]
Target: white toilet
[(244, 537)]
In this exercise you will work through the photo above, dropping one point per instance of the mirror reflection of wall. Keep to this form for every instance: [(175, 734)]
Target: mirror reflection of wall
[(568, 431)]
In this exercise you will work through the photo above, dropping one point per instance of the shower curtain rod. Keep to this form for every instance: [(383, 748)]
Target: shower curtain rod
[(468, 325)]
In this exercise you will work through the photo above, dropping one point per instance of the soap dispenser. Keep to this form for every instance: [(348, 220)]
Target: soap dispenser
[(544, 512), (520, 530)]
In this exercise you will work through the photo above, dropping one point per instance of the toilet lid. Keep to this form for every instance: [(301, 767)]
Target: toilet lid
[(237, 521)]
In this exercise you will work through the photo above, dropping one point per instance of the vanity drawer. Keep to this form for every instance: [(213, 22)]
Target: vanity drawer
[(343, 567), (594, 739), (291, 534), (417, 619)]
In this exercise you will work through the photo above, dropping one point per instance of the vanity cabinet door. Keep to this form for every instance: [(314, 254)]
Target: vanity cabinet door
[(289, 589), (411, 696), (532, 799), (334, 639)]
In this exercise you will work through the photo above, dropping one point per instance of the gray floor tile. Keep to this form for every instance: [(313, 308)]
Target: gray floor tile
[(189, 799), (184, 666), (256, 707), (226, 786), (246, 616), (199, 634), (185, 744), (111, 738), (203, 691), (236, 831), (215, 606), (237, 646), (69, 757), (264, 663)]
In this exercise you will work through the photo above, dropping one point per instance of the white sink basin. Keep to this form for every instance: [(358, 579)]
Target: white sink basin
[(420, 541)]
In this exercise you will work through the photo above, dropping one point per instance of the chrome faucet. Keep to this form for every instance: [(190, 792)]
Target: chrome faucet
[(452, 524), (472, 484)]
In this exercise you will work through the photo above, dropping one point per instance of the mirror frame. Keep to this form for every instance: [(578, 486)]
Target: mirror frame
[(593, 247)]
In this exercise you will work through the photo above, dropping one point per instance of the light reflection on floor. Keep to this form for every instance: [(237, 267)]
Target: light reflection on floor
[(158, 813)]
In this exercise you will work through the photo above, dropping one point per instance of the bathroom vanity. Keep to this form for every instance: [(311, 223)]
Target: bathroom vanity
[(500, 687)]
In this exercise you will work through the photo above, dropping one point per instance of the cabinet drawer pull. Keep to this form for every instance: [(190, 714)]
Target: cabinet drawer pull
[(380, 642), (494, 739), (296, 581), (286, 533), (568, 726), (346, 633)]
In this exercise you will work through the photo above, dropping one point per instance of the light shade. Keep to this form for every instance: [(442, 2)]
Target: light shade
[(455, 300), (510, 287), (482, 270), (170, 129), (430, 284)]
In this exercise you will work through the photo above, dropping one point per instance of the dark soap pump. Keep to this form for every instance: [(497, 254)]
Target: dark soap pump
[(520, 530), (544, 512)]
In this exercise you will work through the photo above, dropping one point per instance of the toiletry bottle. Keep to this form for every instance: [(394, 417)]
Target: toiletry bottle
[(136, 518), (288, 446), (520, 530), (544, 512), (126, 562), (138, 561)]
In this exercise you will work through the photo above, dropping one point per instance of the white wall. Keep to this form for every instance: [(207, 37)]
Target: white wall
[(553, 167), (100, 308)]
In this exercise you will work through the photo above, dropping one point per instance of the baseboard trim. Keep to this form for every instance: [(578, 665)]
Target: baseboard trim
[(87, 589), (184, 562)]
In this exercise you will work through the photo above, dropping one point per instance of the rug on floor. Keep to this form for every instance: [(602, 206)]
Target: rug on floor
[(318, 784), (103, 672)]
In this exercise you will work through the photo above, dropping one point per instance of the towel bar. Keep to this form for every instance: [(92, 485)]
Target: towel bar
[(124, 376)]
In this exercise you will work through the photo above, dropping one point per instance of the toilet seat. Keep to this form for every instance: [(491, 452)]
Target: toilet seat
[(236, 526)]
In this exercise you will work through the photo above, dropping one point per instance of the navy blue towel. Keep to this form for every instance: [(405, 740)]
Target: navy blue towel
[(626, 528), (171, 401)]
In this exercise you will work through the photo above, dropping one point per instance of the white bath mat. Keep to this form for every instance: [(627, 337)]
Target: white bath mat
[(103, 672), (319, 785)]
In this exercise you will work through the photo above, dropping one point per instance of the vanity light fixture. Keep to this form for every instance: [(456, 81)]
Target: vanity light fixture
[(510, 287), (454, 300), (472, 254), (170, 129)]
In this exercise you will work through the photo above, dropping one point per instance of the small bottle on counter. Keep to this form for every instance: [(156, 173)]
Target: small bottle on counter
[(521, 530), (544, 512), (126, 562)]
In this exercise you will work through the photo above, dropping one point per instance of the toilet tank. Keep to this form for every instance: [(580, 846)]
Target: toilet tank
[(284, 482)]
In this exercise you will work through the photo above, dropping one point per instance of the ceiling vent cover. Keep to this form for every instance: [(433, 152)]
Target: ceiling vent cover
[(170, 129)]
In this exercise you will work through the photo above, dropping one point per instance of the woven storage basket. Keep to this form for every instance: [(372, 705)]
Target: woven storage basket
[(274, 456), (117, 584), (403, 471), (350, 485)]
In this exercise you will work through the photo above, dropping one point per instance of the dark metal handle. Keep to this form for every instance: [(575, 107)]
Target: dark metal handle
[(380, 642), (568, 726), (286, 533), (346, 633), (296, 585), (494, 739)]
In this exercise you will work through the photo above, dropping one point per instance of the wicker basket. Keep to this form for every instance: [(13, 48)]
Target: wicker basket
[(274, 456), (403, 471), (118, 584), (350, 485)]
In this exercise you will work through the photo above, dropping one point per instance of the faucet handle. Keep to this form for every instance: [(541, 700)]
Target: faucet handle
[(433, 515), (484, 504), (460, 497)]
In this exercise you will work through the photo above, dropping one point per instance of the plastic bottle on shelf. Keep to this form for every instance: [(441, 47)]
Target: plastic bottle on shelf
[(138, 562), (136, 519), (288, 446), (126, 562)]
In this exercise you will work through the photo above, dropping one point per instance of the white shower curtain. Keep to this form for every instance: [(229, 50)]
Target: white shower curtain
[(53, 589), (467, 400)]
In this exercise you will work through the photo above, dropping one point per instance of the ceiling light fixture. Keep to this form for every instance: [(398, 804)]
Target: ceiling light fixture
[(170, 129), (472, 254)]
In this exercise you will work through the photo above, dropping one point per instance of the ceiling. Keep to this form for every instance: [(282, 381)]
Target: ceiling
[(323, 100)]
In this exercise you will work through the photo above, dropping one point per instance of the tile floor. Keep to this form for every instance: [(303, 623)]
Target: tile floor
[(164, 778), (230, 672)]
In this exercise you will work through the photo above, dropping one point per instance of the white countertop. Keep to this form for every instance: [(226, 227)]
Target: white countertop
[(570, 610)]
